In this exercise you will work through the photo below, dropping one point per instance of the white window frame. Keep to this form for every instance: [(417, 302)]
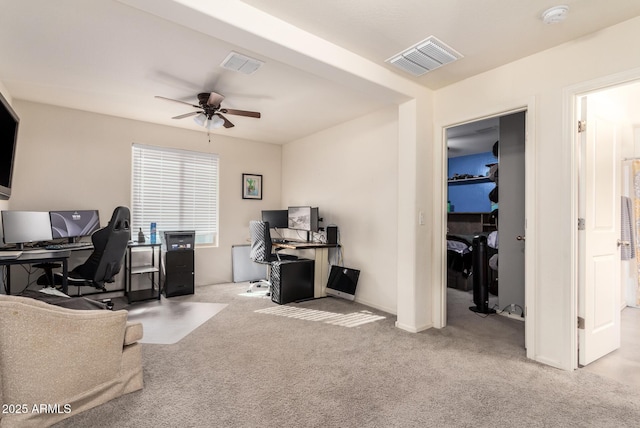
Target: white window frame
[(176, 189)]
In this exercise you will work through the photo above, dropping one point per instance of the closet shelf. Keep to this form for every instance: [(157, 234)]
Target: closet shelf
[(470, 180)]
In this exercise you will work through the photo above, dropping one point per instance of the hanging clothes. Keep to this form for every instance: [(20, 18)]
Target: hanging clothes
[(627, 252)]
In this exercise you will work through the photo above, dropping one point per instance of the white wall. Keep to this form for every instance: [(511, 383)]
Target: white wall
[(542, 78), (350, 172), (71, 159)]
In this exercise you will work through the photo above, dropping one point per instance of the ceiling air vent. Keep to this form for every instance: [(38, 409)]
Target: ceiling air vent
[(425, 56), (236, 62)]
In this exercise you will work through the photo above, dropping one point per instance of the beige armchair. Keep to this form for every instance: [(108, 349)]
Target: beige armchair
[(57, 362)]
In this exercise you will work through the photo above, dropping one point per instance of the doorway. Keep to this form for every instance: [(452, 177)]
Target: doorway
[(615, 352), (486, 192)]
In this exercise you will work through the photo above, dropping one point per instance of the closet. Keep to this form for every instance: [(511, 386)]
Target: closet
[(485, 193)]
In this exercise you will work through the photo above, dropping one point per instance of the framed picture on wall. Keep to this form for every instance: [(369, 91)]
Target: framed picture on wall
[(251, 186)]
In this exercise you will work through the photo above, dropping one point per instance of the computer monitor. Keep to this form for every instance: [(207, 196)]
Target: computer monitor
[(303, 218), (342, 282), (276, 218), (74, 224), (22, 227)]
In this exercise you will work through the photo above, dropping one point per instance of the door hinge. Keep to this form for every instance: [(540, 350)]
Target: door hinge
[(581, 225), (582, 125), (580, 323)]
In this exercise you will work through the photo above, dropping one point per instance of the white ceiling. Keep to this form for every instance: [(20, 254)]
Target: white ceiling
[(107, 57), (474, 137)]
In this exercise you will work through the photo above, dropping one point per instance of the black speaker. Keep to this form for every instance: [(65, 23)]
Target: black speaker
[(332, 235)]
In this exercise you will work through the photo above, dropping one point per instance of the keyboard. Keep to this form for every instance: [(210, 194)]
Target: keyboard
[(287, 241), (68, 246)]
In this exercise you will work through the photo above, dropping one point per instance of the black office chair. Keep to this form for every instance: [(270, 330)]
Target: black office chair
[(109, 247), (261, 251)]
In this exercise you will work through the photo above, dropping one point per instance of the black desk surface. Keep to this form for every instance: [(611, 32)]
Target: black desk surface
[(37, 256), (31, 257)]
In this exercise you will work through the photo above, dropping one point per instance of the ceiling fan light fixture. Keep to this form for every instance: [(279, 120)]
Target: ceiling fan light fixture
[(215, 122), (200, 119)]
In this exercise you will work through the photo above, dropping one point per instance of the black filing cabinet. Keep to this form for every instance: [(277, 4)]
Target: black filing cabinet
[(179, 277), (292, 280)]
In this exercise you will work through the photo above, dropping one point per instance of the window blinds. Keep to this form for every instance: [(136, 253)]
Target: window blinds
[(177, 189)]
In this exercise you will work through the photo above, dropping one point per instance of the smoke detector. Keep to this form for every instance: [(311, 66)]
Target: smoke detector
[(555, 14)]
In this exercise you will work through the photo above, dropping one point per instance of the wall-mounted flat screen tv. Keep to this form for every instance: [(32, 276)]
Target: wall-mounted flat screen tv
[(8, 137)]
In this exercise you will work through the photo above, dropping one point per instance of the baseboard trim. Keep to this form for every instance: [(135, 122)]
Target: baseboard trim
[(412, 329)]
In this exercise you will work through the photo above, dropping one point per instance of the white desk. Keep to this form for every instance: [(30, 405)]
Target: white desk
[(321, 257)]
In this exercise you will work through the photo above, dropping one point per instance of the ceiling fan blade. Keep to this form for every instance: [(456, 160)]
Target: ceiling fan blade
[(241, 112), (182, 116), (177, 101), (227, 124)]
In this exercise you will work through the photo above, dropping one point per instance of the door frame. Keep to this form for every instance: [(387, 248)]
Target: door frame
[(527, 105), (570, 98)]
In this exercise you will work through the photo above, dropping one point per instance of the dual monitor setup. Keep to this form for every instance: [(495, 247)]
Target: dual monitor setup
[(294, 218), (342, 281), (26, 227)]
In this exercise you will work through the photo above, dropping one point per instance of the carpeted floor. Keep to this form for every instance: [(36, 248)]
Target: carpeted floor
[(246, 368)]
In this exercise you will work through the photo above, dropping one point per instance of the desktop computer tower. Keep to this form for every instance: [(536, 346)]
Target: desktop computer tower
[(179, 276), (292, 280)]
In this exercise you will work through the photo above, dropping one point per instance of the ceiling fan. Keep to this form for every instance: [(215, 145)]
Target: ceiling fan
[(209, 112)]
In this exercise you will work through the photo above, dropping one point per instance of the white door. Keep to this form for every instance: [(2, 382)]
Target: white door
[(599, 272)]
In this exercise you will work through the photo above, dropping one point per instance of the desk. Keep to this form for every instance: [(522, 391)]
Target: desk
[(321, 269), (39, 256)]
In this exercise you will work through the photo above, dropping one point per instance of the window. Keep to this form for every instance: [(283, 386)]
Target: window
[(177, 189)]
